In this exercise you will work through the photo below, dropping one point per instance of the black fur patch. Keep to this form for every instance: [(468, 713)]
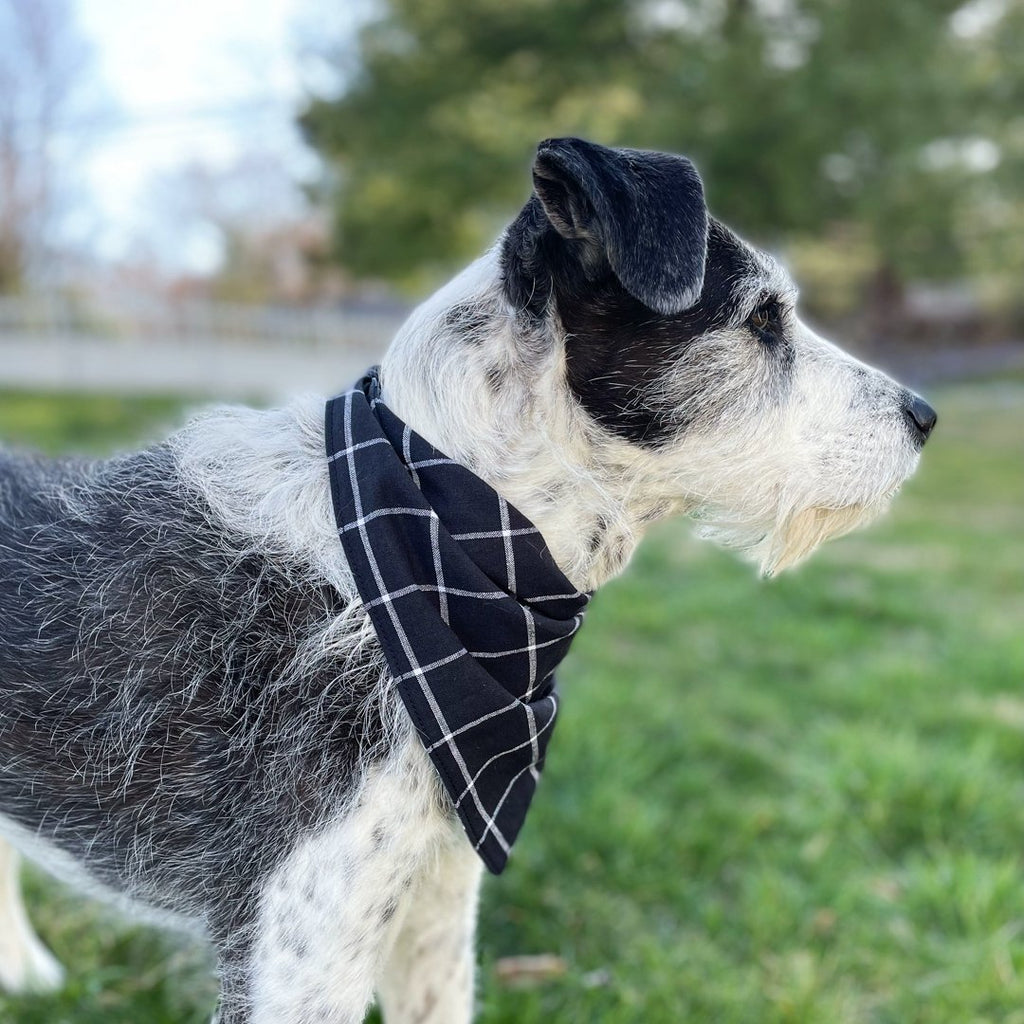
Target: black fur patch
[(470, 321), (156, 723), (618, 244), (617, 348), (532, 254), (641, 213)]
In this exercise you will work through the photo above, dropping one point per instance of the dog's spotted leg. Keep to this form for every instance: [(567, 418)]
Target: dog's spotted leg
[(26, 965), (330, 913), (327, 921), (428, 978)]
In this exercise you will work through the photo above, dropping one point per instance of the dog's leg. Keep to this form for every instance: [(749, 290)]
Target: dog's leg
[(325, 926), (428, 978), (330, 913), (26, 965)]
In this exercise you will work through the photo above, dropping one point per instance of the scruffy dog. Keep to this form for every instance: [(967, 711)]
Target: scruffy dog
[(196, 717)]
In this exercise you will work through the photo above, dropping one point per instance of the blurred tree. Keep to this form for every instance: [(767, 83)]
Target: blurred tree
[(801, 114), (245, 228), (42, 57)]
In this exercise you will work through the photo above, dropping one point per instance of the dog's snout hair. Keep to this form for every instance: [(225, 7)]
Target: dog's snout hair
[(196, 712)]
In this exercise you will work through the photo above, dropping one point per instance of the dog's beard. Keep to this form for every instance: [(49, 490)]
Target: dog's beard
[(783, 540), (779, 525), (807, 529)]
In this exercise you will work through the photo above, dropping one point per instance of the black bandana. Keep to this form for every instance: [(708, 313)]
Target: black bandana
[(469, 607)]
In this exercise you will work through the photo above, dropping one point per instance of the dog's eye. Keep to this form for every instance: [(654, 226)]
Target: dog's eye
[(765, 320)]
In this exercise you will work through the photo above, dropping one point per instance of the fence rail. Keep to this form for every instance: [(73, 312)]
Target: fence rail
[(58, 315), (218, 350)]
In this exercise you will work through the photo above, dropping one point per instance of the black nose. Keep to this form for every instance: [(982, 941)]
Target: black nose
[(921, 417)]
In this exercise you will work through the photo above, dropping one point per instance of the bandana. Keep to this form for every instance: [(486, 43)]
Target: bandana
[(471, 611)]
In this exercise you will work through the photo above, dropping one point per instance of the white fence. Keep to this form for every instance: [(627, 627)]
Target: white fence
[(219, 350)]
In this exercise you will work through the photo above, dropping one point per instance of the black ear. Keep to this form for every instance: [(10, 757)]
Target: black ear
[(645, 210)]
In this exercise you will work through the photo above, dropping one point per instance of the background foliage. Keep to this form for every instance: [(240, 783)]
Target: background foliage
[(879, 125)]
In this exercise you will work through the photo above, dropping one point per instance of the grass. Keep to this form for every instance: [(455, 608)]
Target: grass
[(795, 801), (82, 423)]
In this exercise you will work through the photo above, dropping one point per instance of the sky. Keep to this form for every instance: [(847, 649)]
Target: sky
[(183, 83)]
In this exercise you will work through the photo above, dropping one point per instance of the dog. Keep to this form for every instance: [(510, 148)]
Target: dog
[(196, 719)]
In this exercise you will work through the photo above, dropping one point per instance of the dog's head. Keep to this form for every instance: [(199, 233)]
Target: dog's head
[(667, 352)]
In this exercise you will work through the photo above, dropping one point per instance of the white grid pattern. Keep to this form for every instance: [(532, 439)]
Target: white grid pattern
[(439, 677), (418, 671)]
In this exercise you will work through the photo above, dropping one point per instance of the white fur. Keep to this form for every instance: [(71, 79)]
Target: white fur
[(357, 883)]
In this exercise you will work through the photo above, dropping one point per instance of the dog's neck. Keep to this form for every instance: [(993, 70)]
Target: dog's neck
[(487, 387)]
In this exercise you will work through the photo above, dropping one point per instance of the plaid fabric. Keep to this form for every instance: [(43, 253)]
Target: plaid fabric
[(470, 609)]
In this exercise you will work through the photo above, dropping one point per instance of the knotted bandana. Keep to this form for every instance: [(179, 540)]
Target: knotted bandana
[(469, 607)]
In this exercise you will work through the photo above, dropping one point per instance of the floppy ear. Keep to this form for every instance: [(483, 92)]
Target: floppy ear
[(645, 210)]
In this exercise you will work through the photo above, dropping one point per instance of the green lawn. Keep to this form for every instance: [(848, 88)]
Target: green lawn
[(83, 423), (789, 801)]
